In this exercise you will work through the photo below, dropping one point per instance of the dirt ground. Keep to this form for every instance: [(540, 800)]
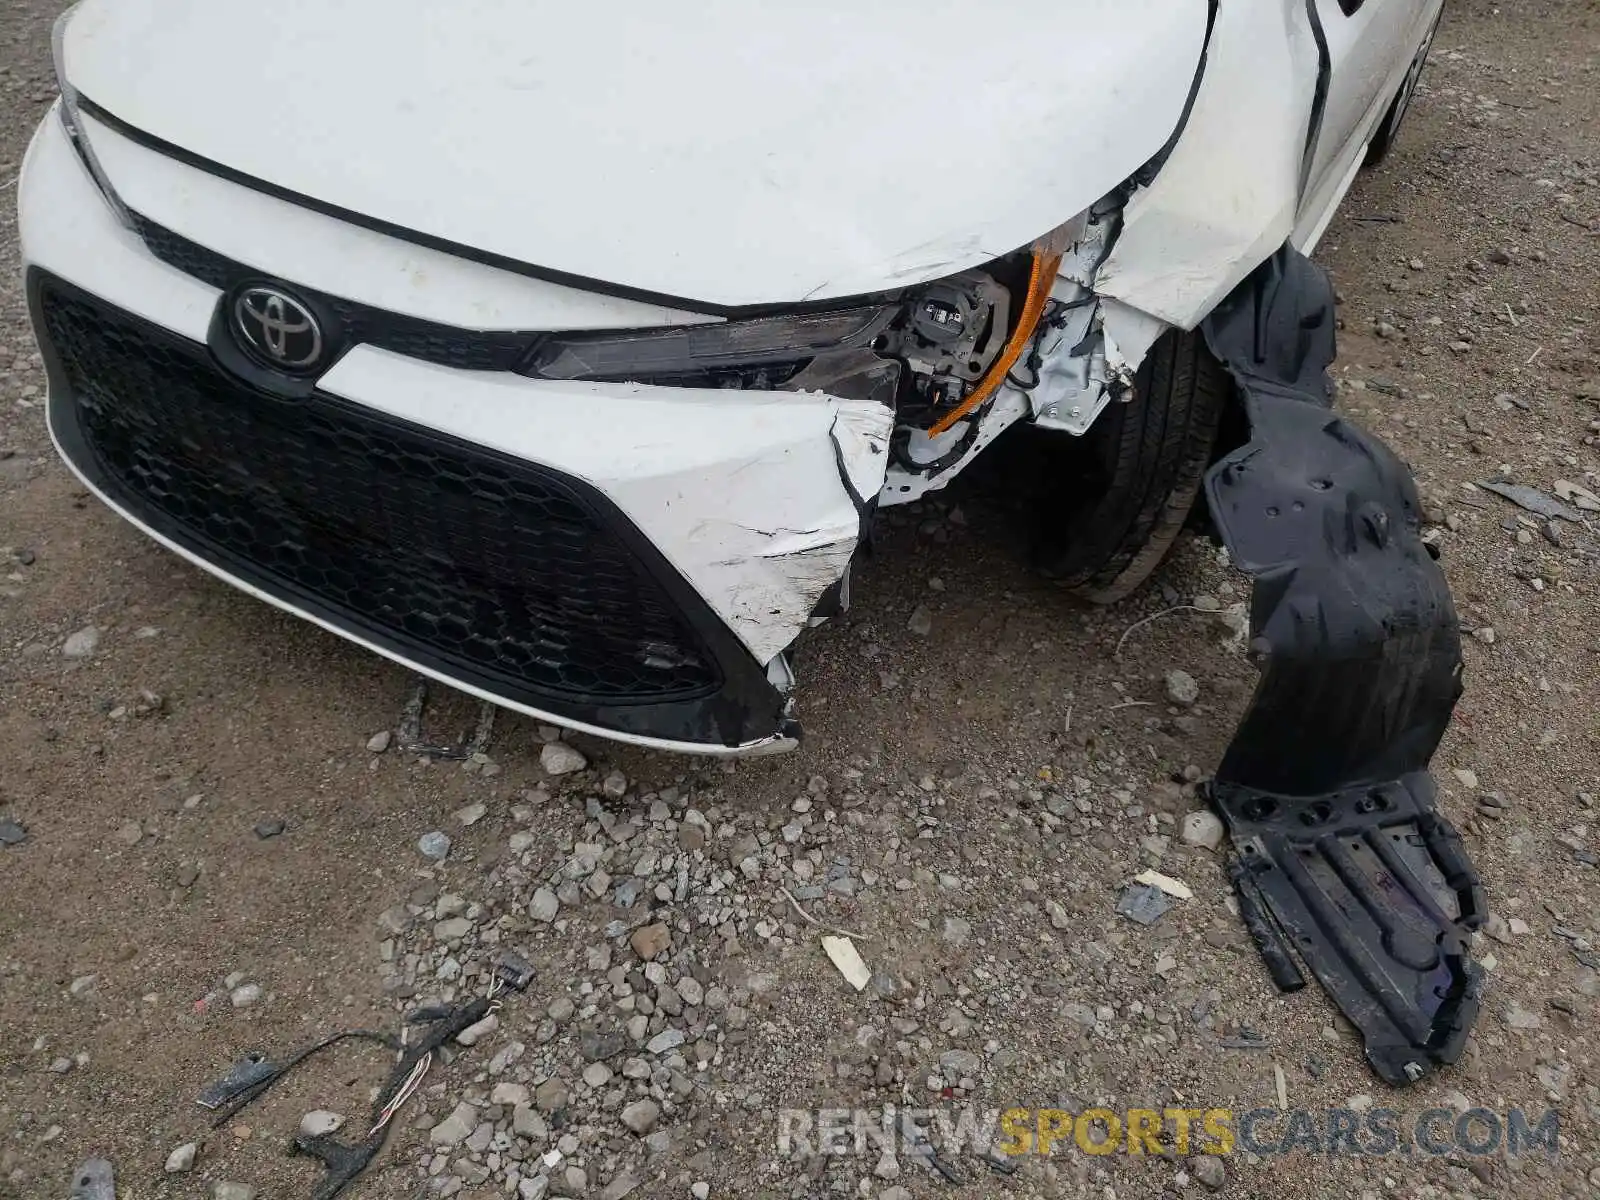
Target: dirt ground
[(970, 801)]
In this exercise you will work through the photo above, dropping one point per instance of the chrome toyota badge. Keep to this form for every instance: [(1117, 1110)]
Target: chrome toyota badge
[(277, 329)]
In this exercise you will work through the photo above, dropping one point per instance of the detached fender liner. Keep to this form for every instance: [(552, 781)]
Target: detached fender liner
[(1325, 788)]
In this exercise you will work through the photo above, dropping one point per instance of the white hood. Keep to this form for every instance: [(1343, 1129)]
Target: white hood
[(726, 151)]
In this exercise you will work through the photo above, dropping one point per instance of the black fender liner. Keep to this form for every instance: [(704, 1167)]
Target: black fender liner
[(1325, 788)]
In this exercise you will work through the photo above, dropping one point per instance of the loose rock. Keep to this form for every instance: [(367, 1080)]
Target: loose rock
[(544, 906), (1209, 1170), (319, 1122), (641, 1116), (1203, 829), (81, 644), (558, 758), (1182, 689), (181, 1160), (650, 941)]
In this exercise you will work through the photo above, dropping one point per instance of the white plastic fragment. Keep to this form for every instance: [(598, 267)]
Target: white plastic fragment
[(842, 952), (1175, 888)]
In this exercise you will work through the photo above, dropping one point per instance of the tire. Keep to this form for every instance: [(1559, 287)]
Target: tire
[(1388, 130), (1128, 487)]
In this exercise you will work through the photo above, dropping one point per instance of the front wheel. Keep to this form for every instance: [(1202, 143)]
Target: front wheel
[(1125, 491), (1389, 128)]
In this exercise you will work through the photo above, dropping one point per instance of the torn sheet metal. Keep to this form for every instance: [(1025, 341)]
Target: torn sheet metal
[(1325, 788)]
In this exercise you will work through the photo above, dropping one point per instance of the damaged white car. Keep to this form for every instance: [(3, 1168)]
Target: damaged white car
[(564, 353), (561, 352)]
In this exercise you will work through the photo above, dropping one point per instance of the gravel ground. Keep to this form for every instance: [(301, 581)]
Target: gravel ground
[(217, 861)]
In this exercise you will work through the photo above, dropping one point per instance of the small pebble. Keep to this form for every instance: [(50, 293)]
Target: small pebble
[(245, 995), (319, 1122), (1182, 689), (81, 644), (181, 1159), (1209, 1170)]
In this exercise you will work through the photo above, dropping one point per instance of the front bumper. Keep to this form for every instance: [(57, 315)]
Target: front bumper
[(632, 562)]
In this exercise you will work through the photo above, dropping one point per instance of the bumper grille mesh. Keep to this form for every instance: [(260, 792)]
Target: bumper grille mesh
[(493, 567)]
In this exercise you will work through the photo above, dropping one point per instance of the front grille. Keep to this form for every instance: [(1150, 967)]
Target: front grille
[(498, 571), (447, 345)]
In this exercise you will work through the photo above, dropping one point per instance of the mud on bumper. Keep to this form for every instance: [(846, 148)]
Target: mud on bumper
[(1343, 859)]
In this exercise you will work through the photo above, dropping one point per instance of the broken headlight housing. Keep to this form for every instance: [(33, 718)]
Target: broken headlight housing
[(932, 352), (72, 123)]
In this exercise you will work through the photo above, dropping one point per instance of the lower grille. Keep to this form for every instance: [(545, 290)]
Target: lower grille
[(502, 573)]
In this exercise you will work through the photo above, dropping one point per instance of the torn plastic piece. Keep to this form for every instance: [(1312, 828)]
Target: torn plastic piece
[(1375, 890), (94, 1180), (248, 1072), (998, 1162), (1264, 931), (1143, 904), (1176, 888), (12, 833), (410, 732), (1324, 788), (255, 1073), (1529, 498), (841, 951), (343, 1161)]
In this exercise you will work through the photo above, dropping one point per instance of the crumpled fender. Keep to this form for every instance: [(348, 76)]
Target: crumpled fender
[(1325, 787)]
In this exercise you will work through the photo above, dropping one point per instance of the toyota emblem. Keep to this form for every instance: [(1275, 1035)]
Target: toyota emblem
[(277, 329)]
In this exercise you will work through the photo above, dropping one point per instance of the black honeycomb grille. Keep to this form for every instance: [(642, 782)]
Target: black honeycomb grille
[(482, 563), (447, 345)]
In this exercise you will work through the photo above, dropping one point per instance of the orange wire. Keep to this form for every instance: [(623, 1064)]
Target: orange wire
[(1040, 280)]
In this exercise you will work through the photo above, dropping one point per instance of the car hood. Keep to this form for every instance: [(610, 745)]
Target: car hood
[(719, 151)]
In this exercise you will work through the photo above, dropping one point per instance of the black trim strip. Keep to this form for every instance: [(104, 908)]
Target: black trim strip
[(487, 258), (1152, 167), (1319, 98)]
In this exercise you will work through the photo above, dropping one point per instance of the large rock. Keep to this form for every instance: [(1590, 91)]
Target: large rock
[(651, 941), (1182, 689), (453, 1130), (544, 906), (641, 1116), (558, 758), (551, 1095)]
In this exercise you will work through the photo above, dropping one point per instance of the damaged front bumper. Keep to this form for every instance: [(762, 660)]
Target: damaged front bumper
[(1343, 858)]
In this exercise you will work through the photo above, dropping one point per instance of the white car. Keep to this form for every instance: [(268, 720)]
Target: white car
[(564, 353), (561, 351)]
